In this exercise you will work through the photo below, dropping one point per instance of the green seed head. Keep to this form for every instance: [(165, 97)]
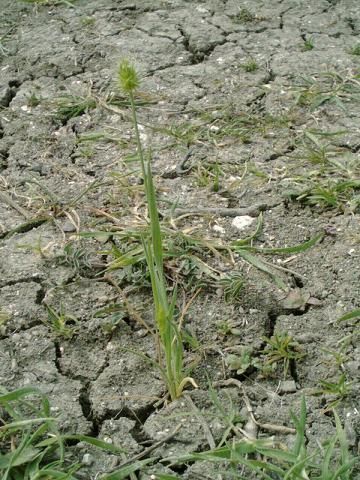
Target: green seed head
[(128, 77)]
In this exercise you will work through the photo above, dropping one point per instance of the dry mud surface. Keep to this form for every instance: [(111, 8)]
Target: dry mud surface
[(246, 105)]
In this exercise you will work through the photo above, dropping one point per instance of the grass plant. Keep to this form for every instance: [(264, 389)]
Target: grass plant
[(60, 323), (250, 65), (281, 348), (171, 357), (244, 16), (308, 44), (337, 391), (355, 50), (232, 285), (70, 106)]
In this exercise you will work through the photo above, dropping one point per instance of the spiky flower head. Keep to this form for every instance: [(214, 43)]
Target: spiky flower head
[(128, 77)]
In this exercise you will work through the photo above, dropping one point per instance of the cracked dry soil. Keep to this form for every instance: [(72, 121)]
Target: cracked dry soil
[(203, 64)]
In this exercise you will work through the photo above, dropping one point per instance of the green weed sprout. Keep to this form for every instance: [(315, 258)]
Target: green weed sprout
[(281, 348), (171, 356)]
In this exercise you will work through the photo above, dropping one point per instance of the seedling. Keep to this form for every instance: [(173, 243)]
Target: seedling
[(337, 390), (76, 257), (308, 44), (5, 316), (245, 16), (70, 106), (242, 361), (339, 357), (33, 100), (232, 285), (113, 315), (171, 366), (250, 65), (3, 50), (230, 326), (209, 174), (326, 194), (353, 315), (62, 324), (355, 50), (281, 348), (88, 21)]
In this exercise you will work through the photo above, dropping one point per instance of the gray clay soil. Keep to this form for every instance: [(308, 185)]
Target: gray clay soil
[(260, 97)]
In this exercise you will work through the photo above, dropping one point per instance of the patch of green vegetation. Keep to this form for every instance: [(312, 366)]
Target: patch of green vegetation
[(60, 323), (266, 459), (75, 256), (68, 3), (281, 348), (32, 446), (227, 413), (5, 316), (244, 16), (328, 194), (208, 175), (4, 51), (113, 314), (334, 182), (353, 315), (33, 100), (88, 21), (355, 50), (223, 124), (188, 258), (232, 285), (52, 206), (70, 106), (336, 88), (250, 65), (337, 391), (86, 152), (308, 44), (243, 360)]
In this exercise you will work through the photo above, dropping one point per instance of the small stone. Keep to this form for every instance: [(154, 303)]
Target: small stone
[(87, 459), (287, 386), (219, 229), (242, 222), (68, 227)]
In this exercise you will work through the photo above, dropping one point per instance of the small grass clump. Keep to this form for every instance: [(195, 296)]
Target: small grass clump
[(336, 391), (308, 44), (281, 348), (250, 66), (70, 106), (232, 285), (245, 16), (355, 50), (60, 323)]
